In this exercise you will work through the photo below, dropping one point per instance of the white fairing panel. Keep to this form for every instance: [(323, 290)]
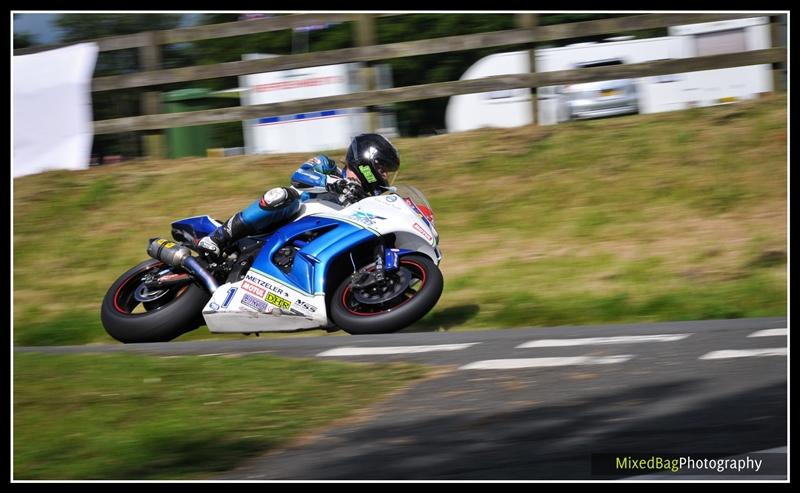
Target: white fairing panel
[(259, 303), (391, 213)]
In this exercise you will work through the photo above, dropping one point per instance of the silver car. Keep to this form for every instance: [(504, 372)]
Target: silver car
[(598, 99)]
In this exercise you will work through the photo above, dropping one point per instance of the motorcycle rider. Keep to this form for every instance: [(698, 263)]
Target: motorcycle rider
[(369, 161)]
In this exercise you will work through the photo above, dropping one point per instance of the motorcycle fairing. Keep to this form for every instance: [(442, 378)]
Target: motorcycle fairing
[(313, 259), (411, 230), (297, 296)]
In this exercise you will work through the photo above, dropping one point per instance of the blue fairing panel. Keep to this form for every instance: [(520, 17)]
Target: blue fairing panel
[(312, 261), (193, 228)]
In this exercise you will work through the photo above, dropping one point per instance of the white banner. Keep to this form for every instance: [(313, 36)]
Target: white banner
[(52, 104), (313, 131)]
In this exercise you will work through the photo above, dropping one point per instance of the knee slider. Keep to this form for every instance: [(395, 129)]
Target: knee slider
[(277, 198)]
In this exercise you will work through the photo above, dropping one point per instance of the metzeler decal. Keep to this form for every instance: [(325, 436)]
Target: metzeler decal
[(267, 285), (276, 289), (255, 279)]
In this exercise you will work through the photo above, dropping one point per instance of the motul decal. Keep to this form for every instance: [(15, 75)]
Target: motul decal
[(423, 232)]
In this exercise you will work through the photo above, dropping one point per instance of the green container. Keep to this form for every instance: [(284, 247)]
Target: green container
[(194, 140)]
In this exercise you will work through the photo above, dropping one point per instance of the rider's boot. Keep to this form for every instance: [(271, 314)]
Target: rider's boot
[(276, 204), (232, 229)]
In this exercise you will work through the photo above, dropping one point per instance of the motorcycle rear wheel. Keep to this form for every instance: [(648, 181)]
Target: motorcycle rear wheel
[(168, 315)]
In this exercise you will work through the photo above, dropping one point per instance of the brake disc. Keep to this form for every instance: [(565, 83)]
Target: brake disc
[(391, 287), (144, 295)]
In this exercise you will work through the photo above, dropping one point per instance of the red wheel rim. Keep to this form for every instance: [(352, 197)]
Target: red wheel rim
[(136, 276), (419, 268)]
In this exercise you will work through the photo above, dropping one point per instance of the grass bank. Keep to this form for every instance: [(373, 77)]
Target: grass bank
[(671, 216), (142, 417)]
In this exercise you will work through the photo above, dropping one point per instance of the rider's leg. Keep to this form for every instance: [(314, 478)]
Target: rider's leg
[(275, 205)]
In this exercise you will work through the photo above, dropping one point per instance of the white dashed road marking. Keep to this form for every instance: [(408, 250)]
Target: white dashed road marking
[(362, 351), (508, 364), (744, 353), (591, 341), (770, 333)]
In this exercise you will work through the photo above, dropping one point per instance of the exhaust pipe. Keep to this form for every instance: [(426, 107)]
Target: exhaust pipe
[(177, 255)]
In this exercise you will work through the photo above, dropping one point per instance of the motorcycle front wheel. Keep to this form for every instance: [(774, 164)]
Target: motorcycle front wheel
[(132, 313), (419, 285)]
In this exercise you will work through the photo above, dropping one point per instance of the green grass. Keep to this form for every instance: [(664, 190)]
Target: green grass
[(593, 289), (139, 417), (679, 215)]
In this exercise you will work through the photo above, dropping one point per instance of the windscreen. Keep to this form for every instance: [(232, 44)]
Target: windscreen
[(416, 199)]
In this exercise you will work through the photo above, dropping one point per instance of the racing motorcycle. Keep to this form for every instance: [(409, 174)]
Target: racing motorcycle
[(368, 266)]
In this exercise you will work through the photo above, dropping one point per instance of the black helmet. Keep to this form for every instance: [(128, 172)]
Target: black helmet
[(372, 158)]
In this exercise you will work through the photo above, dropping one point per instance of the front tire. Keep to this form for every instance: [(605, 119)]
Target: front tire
[(411, 305), (174, 313)]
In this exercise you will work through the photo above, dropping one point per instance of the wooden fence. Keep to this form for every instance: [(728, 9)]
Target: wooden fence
[(528, 34)]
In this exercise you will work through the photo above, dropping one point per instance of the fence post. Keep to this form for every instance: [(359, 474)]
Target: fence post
[(366, 35), (153, 142), (778, 38), (530, 21)]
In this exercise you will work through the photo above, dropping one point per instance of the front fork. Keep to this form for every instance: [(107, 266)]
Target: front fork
[(386, 261)]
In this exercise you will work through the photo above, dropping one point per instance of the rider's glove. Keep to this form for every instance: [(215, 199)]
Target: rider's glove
[(353, 192), (336, 185), (349, 191)]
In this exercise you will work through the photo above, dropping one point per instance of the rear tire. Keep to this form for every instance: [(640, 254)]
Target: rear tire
[(163, 320), (346, 313)]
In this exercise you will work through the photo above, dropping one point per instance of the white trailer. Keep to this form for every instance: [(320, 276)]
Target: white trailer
[(504, 109), (709, 87), (656, 94)]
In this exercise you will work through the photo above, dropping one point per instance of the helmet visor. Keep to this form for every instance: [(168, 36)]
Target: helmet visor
[(386, 173)]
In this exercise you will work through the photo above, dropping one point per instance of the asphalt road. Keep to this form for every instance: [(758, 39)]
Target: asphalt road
[(539, 403)]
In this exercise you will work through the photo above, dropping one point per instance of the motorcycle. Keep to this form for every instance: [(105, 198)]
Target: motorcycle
[(366, 267)]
